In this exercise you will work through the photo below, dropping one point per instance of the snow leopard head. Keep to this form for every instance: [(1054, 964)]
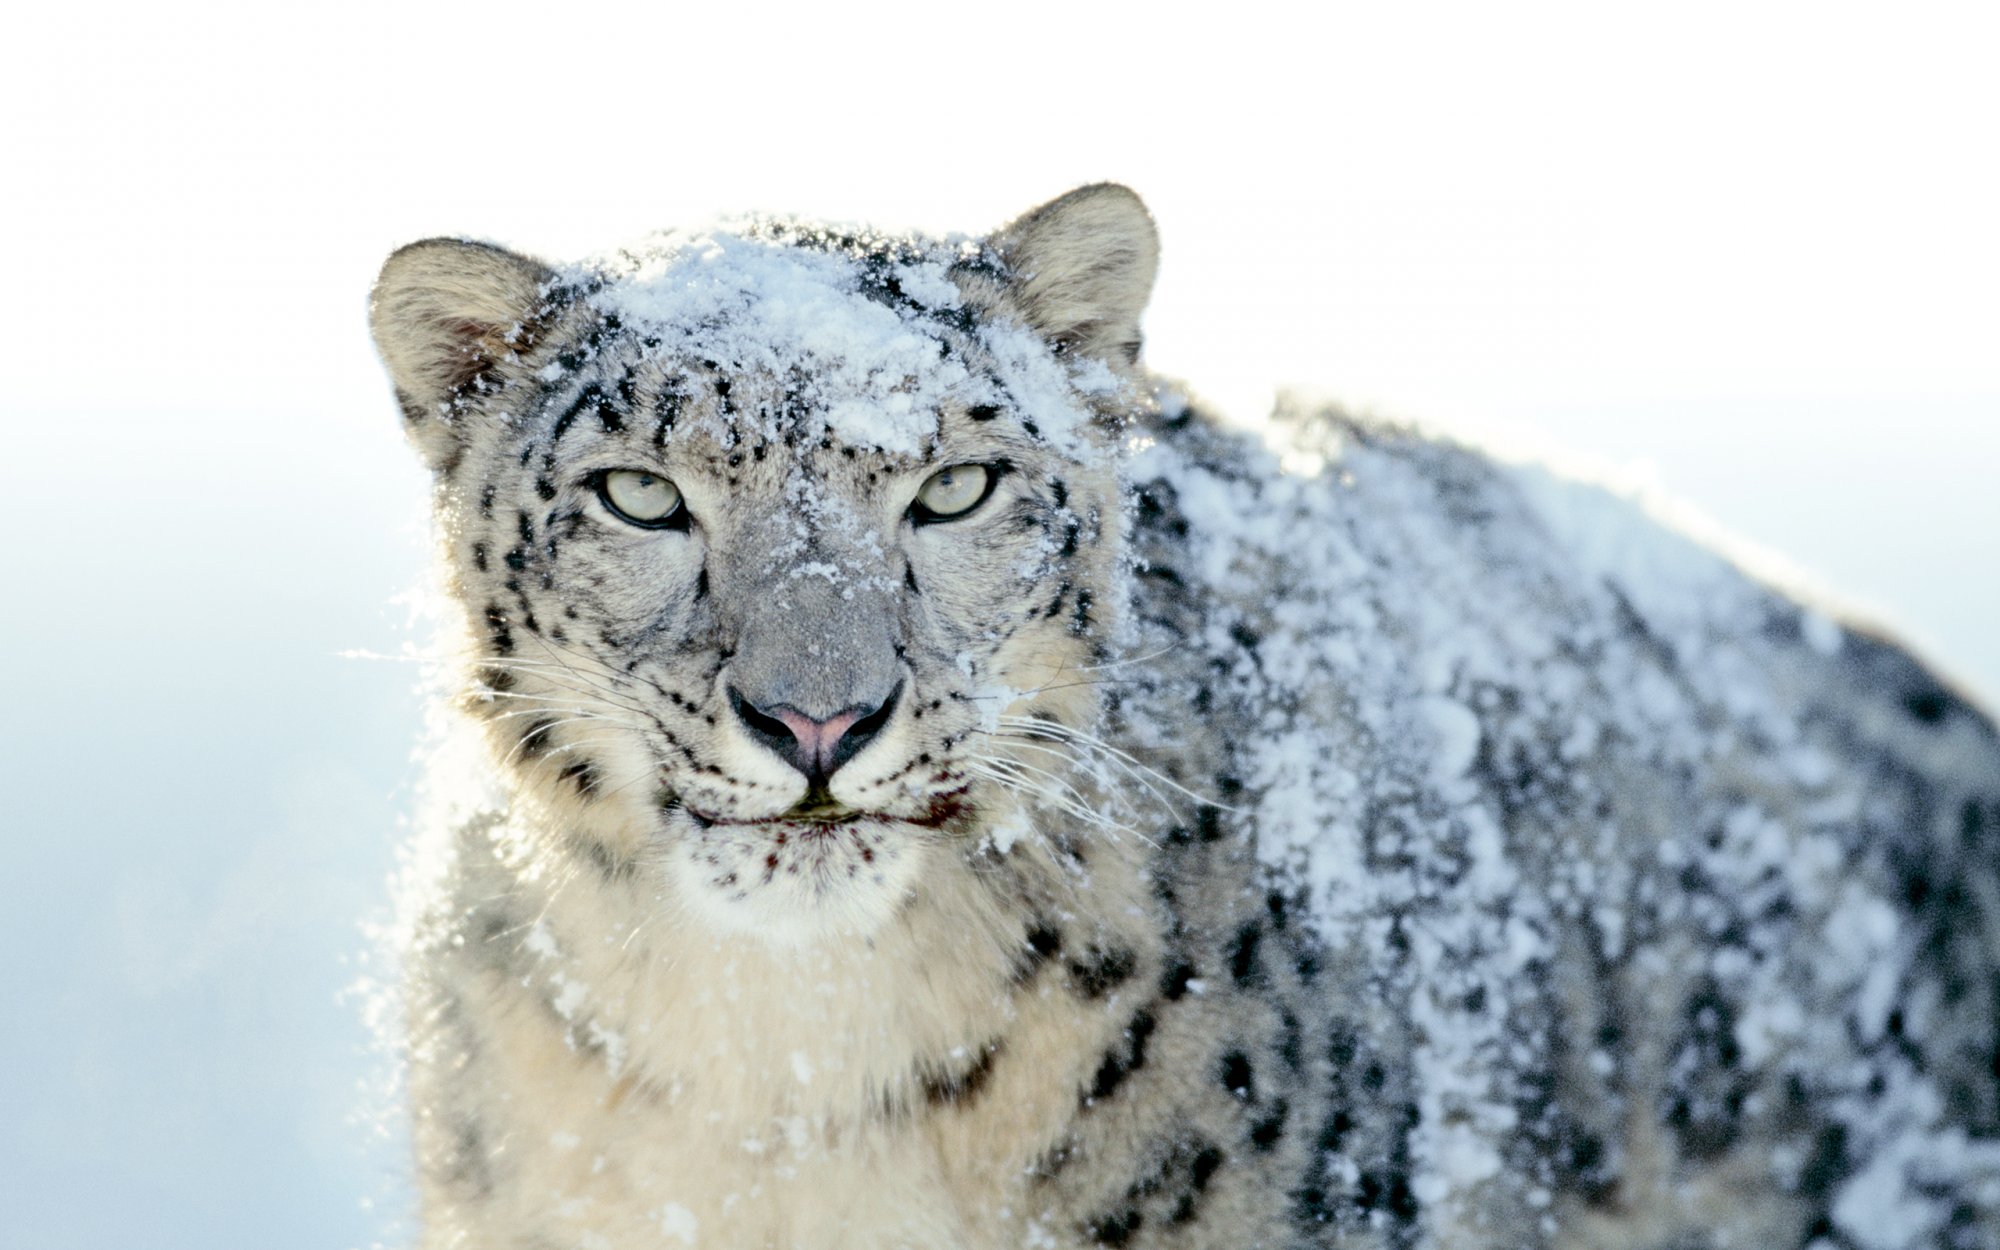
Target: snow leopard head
[(768, 538)]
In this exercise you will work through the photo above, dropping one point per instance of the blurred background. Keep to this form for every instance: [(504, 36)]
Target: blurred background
[(1745, 252)]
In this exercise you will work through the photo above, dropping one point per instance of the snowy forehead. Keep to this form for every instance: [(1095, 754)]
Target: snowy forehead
[(873, 345)]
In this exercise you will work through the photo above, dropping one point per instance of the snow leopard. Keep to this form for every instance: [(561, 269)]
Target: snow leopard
[(945, 788)]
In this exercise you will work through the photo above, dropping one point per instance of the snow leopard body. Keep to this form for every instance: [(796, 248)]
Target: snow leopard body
[(1339, 838)]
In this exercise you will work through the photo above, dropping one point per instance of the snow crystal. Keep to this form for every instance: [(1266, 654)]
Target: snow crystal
[(569, 997), (928, 283), (1460, 1159), (612, 1043), (678, 1222), (1005, 832), (540, 941), (1456, 731)]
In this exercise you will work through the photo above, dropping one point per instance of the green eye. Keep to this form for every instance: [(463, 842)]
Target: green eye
[(953, 492), (643, 499)]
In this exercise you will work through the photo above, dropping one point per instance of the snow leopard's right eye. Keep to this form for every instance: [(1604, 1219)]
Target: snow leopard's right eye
[(644, 499)]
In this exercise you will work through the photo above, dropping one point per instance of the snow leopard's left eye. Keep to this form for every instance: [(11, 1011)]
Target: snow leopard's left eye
[(641, 498), (951, 493)]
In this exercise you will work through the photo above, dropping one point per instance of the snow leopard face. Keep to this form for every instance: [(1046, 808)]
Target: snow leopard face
[(766, 539)]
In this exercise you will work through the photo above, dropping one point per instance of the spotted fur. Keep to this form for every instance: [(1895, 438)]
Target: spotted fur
[(1166, 897)]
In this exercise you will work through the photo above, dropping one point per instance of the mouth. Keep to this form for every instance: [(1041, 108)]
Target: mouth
[(820, 816)]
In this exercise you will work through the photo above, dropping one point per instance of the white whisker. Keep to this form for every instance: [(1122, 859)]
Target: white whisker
[(1009, 773), (1033, 727), (1093, 760)]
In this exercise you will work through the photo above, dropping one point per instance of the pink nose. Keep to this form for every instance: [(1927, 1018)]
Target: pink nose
[(816, 747), (817, 739)]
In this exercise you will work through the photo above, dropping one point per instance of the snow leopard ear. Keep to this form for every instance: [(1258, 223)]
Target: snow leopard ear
[(445, 314), (1082, 268)]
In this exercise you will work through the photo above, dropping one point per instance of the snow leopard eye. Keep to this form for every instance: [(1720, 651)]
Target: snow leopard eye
[(641, 498), (953, 492)]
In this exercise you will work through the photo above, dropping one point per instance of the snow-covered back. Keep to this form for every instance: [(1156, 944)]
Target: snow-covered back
[(1523, 745)]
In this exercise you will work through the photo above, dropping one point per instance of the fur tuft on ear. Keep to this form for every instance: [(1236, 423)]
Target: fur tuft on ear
[(445, 312), (1082, 268)]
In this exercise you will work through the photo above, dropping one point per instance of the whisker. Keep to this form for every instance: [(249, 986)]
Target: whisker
[(546, 747), (569, 716), (640, 775), (596, 695), (601, 679), (1004, 772), (1060, 732), (1078, 802), (1137, 776), (1135, 659), (585, 707)]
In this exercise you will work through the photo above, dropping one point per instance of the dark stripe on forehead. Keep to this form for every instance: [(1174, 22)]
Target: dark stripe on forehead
[(613, 417), (589, 397), (610, 325), (666, 410)]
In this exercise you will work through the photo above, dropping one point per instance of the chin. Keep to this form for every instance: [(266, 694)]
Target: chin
[(790, 882)]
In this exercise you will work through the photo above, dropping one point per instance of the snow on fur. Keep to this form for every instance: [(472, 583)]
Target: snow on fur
[(864, 343), (1444, 658)]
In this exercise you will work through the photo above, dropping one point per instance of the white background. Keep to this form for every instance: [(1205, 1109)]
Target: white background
[(1747, 252)]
